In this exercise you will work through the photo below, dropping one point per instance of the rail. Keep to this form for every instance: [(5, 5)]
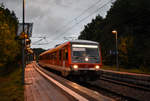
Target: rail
[(131, 86)]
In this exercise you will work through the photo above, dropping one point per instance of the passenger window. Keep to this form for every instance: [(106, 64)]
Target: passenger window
[(59, 54), (66, 55)]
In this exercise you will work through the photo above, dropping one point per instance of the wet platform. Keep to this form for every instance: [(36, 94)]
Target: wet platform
[(37, 88), (46, 86)]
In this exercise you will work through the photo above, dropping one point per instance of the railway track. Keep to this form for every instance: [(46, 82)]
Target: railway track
[(122, 87), (90, 94), (126, 83), (107, 92)]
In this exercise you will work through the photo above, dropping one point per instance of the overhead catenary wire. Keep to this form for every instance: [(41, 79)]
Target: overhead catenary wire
[(82, 13), (68, 29), (79, 15), (38, 42)]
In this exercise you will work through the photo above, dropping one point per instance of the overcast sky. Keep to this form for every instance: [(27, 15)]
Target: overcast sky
[(56, 19)]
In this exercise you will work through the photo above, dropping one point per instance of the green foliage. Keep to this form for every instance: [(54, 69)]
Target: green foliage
[(11, 87), (131, 20), (9, 47), (10, 73)]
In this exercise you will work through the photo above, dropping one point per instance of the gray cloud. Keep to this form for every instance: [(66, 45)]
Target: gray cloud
[(50, 17)]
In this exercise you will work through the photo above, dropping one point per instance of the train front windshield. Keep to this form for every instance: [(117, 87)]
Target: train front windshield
[(85, 53)]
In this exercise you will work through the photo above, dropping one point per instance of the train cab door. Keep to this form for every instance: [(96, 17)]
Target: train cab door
[(65, 57)]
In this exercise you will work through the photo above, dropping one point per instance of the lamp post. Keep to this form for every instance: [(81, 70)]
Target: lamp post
[(116, 34), (23, 43)]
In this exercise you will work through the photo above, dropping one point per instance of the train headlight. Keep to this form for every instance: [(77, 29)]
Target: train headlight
[(97, 67), (75, 67), (86, 59)]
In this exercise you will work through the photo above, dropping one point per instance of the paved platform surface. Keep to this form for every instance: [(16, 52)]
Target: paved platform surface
[(37, 88), (42, 85)]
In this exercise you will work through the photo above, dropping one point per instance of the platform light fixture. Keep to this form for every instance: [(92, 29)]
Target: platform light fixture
[(116, 35)]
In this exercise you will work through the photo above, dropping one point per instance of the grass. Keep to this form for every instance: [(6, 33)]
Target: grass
[(132, 70), (11, 88)]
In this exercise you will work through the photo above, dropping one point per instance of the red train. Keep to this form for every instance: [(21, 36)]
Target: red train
[(78, 57)]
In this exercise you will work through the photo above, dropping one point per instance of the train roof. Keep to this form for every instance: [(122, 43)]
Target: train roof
[(84, 41), (73, 41)]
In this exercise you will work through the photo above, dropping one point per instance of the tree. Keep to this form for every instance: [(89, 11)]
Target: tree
[(131, 19), (9, 47)]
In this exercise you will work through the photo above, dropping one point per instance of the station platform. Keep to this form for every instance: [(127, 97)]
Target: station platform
[(39, 86)]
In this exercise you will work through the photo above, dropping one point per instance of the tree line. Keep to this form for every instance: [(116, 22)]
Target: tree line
[(9, 46), (131, 20)]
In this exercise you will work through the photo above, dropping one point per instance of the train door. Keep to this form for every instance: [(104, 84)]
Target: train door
[(60, 58), (63, 60), (65, 57), (57, 58)]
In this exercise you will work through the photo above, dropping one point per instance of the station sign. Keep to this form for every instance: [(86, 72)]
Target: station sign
[(27, 29)]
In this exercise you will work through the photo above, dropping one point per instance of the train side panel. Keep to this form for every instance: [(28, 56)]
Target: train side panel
[(60, 59)]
